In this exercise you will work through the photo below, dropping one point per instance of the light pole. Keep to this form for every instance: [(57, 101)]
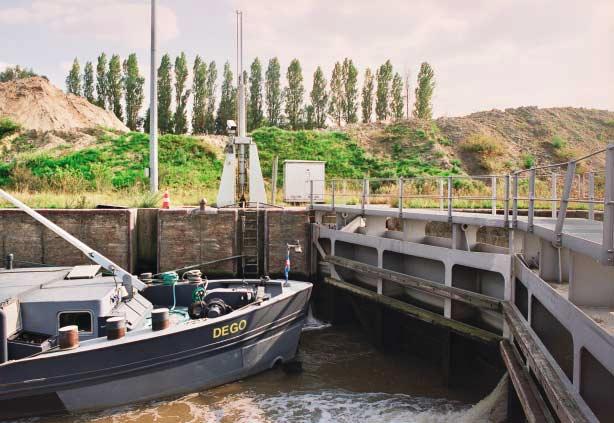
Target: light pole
[(153, 108)]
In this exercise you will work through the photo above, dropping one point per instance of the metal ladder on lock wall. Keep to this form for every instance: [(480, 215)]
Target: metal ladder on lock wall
[(250, 225)]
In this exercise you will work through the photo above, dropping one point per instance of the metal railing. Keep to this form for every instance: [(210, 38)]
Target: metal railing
[(552, 187)]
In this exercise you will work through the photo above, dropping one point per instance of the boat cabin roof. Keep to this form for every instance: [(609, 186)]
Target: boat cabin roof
[(44, 293), (45, 284)]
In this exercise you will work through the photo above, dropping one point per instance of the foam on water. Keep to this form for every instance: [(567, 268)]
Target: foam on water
[(311, 323), (344, 379), (322, 406)]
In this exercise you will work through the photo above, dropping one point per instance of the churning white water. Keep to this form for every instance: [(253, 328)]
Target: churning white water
[(311, 323), (344, 380)]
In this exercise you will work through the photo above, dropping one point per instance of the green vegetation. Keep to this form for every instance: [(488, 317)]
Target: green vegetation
[(116, 162), (133, 91), (382, 94), (73, 80), (367, 97), (335, 106), (487, 151), (268, 102), (294, 94), (424, 92), (272, 92), (319, 98), (255, 112), (558, 142), (8, 127), (350, 91), (528, 161), (482, 144), (344, 158), (13, 73), (180, 118), (397, 105), (227, 108)]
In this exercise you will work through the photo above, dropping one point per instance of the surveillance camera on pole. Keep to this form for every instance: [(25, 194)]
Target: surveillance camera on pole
[(242, 183)]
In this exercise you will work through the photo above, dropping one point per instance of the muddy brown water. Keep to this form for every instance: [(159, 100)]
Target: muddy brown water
[(344, 379)]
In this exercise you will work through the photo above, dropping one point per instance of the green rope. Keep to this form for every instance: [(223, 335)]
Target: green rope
[(170, 279)]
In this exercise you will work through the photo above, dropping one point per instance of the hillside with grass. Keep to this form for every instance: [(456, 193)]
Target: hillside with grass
[(109, 166), (493, 141)]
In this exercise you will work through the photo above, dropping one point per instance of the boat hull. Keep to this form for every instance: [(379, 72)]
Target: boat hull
[(155, 367)]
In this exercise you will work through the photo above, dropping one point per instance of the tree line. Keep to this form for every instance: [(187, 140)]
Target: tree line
[(118, 86)]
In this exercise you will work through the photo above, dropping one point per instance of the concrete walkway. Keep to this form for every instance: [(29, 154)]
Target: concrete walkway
[(579, 234)]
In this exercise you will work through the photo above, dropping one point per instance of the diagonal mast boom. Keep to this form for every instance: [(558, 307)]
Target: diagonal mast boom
[(127, 278)]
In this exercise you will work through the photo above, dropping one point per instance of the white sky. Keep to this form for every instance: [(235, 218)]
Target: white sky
[(486, 53)]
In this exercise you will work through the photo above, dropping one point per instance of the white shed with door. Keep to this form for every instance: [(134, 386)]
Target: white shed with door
[(298, 175)]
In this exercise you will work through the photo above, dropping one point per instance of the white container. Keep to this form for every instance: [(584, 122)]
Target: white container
[(298, 175)]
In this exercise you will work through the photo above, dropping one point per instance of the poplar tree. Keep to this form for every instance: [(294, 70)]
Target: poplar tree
[(101, 81), (211, 87), (73, 80), (182, 94), (165, 88), (309, 114), (335, 108), (424, 92), (255, 113), (114, 86), (228, 105), (133, 89), (272, 92), (199, 88), (319, 99), (367, 97), (88, 82), (396, 97), (350, 91), (382, 100), (294, 94)]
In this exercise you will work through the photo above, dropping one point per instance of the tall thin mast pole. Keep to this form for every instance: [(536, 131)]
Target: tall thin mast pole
[(153, 108)]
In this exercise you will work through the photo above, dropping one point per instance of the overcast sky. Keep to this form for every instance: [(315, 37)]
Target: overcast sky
[(486, 54)]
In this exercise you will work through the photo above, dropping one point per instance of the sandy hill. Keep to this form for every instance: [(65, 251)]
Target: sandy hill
[(492, 141), (37, 105)]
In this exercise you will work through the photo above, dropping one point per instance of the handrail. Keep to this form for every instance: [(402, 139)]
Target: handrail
[(447, 190)]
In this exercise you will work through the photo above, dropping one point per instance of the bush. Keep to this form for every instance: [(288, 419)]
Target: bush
[(148, 200), (483, 144), (487, 149), (558, 142), (528, 161), (8, 127)]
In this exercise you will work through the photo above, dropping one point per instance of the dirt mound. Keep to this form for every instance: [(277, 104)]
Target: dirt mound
[(494, 140), (38, 105)]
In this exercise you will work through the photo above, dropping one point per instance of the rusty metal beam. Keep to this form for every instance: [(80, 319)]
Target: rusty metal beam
[(424, 285), (535, 409), (416, 312), (561, 400)]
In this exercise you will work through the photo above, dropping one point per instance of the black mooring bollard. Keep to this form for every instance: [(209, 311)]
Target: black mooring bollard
[(8, 261)]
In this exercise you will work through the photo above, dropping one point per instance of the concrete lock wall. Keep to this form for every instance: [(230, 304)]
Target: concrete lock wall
[(187, 237), (112, 232), (286, 226), (158, 240)]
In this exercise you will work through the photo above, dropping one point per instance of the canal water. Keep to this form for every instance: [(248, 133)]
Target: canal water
[(344, 379)]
